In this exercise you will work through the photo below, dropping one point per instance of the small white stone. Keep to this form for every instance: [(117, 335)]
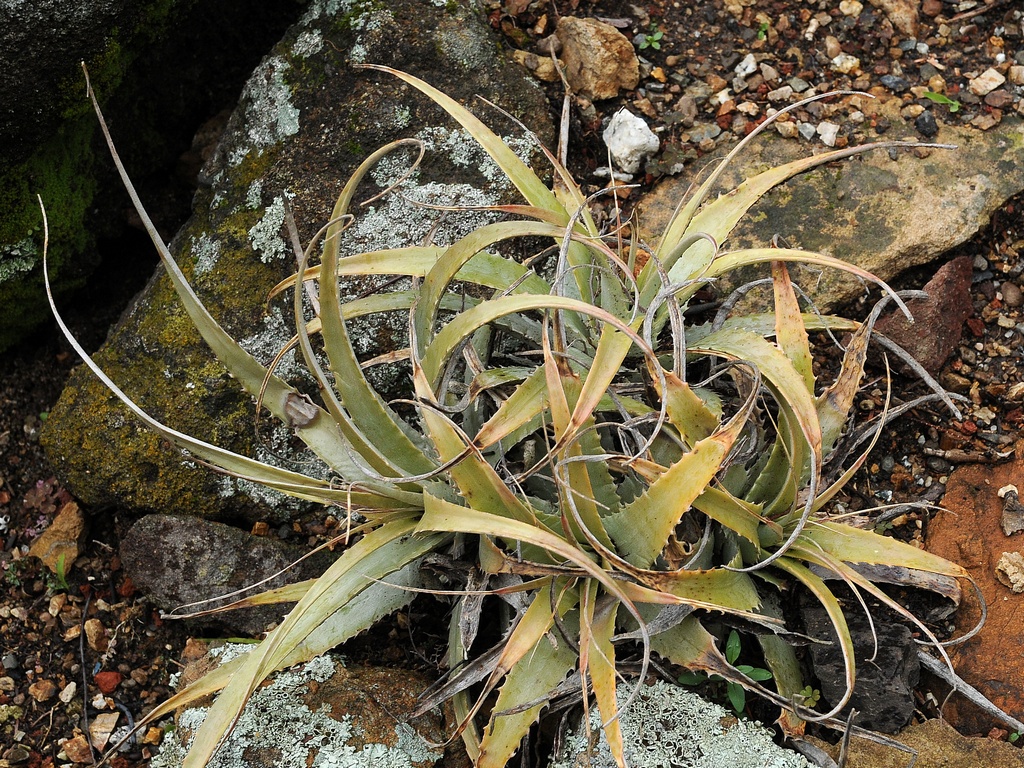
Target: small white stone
[(746, 67), (68, 694), (846, 64), (828, 132), (1010, 571), (630, 140), (785, 93), (850, 8)]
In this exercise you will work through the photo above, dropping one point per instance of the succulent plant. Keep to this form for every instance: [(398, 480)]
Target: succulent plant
[(622, 475)]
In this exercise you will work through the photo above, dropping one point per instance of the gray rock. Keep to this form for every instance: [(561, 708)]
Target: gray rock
[(306, 118), (885, 215), (320, 713), (176, 561), (667, 726), (704, 132), (161, 68)]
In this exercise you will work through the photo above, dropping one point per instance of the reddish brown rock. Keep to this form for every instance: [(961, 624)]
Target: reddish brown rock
[(77, 749), (969, 531), (938, 320), (108, 681), (599, 60)]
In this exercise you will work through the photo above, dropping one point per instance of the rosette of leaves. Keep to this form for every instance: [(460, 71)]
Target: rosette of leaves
[(629, 481)]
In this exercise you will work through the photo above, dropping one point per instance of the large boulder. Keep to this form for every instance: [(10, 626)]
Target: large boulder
[(162, 67), (306, 118), (883, 212)]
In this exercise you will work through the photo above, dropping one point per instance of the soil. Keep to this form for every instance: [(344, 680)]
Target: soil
[(55, 660)]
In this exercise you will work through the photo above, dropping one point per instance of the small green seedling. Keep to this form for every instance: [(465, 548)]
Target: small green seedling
[(60, 575), (653, 39), (810, 696), (762, 30), (1015, 737), (938, 98), (733, 691)]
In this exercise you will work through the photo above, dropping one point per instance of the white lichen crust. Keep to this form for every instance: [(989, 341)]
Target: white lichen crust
[(277, 722), (669, 727)]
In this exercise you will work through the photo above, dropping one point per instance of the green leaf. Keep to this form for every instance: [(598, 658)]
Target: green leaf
[(532, 679), (737, 696), (732, 647), (939, 98)]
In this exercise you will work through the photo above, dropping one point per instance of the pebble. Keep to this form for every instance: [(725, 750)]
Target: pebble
[(108, 681), (999, 99), (785, 93), (798, 84), (68, 693), (926, 124), (42, 690), (704, 132), (77, 750), (1012, 295), (96, 635), (787, 130), (986, 82), (1016, 74), (806, 130), (828, 132), (747, 66), (850, 7), (893, 83), (769, 73), (845, 64)]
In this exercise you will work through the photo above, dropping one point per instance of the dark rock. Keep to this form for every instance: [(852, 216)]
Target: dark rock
[(938, 320), (161, 68), (894, 84), (180, 560), (883, 695), (926, 124)]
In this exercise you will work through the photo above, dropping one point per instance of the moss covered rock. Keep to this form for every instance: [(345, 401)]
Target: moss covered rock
[(160, 66), (306, 118)]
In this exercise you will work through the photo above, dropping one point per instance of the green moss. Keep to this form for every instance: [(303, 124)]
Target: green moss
[(61, 173)]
